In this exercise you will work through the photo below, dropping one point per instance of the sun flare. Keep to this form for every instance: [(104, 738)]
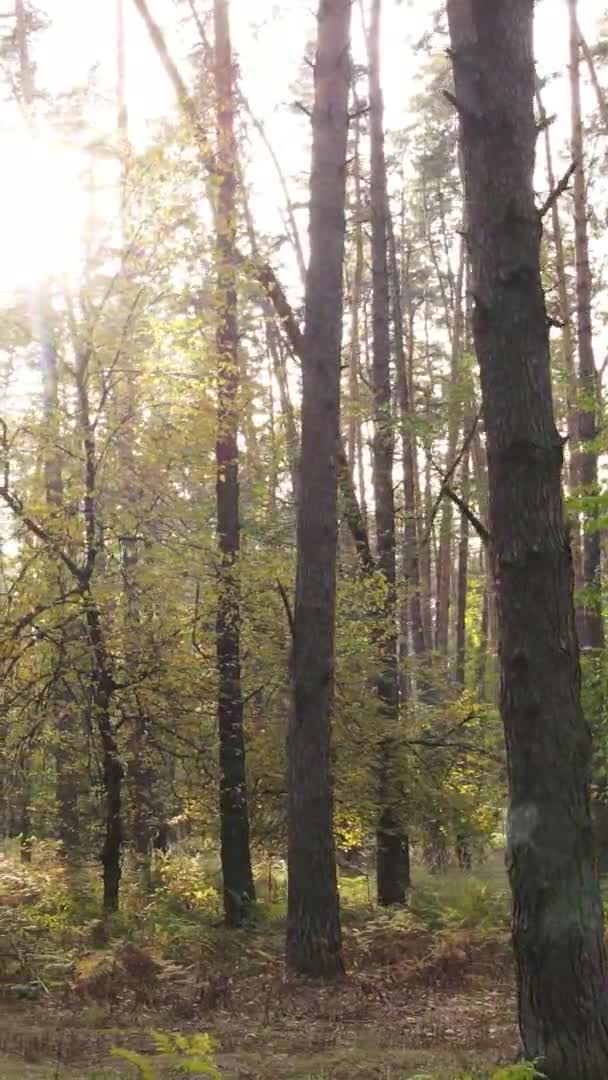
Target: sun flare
[(43, 210)]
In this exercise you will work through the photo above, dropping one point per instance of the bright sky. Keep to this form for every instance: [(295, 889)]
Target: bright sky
[(42, 205)]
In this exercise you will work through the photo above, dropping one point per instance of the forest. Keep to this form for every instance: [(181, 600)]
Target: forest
[(303, 522)]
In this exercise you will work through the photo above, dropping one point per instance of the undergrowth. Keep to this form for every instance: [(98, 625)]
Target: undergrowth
[(49, 916), (167, 959)]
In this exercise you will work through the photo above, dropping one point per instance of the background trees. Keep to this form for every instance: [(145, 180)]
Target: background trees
[(207, 412)]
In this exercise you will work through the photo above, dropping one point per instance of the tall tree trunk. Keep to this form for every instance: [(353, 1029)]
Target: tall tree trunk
[(314, 943), (63, 699), (557, 914), (102, 686), (239, 891), (392, 860), (141, 771), (484, 619), (411, 560), (444, 561), (600, 96), (591, 627), (102, 680), (354, 440), (426, 557), (567, 352), (463, 577), (562, 287), (488, 640)]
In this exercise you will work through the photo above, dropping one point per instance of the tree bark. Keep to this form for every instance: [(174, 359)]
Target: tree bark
[(562, 286), (590, 625), (314, 945), (557, 914), (444, 559), (354, 439), (411, 554), (238, 887), (392, 861)]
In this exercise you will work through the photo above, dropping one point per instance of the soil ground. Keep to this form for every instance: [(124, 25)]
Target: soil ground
[(422, 998)]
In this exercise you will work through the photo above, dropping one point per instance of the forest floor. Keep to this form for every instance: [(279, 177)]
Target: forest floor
[(428, 991)]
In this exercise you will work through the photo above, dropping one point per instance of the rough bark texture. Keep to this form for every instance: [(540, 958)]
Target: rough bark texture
[(392, 862), (557, 916), (237, 874), (590, 624), (314, 944)]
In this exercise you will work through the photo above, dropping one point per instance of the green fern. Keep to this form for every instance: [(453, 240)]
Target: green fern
[(141, 1062), (524, 1070), (188, 1054)]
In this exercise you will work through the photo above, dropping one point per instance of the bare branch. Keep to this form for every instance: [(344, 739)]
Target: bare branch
[(558, 190), (447, 476)]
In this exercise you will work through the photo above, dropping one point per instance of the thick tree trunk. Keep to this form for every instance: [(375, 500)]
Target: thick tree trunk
[(239, 891), (590, 625), (314, 945), (557, 915), (392, 862)]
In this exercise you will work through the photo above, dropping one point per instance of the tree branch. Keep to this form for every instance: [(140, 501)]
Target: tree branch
[(447, 476), (558, 190), (471, 517)]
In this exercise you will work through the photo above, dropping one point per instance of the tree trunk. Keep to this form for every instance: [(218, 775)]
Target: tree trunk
[(567, 355), (481, 665), (463, 572), (239, 893), (141, 771), (600, 96), (591, 627), (314, 945), (62, 700), (444, 559), (426, 554), (562, 286), (354, 440), (392, 856), (557, 914), (411, 556)]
